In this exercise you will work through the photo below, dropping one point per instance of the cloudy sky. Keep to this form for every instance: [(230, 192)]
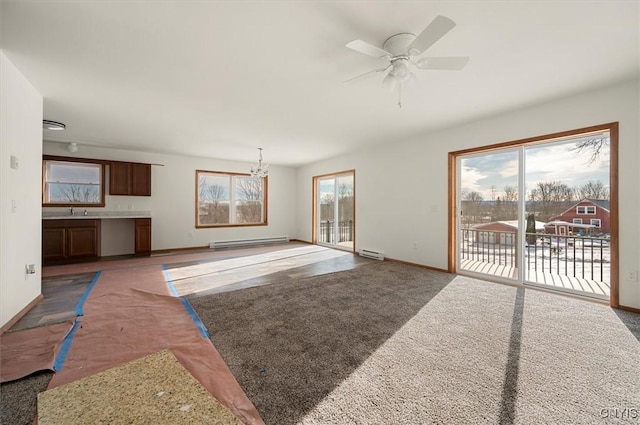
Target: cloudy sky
[(550, 162)]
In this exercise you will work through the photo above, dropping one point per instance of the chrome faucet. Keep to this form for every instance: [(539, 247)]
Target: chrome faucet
[(71, 211)]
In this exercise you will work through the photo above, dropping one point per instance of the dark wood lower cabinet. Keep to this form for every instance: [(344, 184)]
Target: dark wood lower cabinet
[(143, 236), (74, 240), (66, 241), (54, 244)]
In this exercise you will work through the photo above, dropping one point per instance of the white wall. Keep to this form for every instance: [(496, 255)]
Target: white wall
[(412, 178), (20, 229), (172, 201)]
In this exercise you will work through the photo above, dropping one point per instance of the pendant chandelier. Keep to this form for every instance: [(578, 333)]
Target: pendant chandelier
[(260, 169)]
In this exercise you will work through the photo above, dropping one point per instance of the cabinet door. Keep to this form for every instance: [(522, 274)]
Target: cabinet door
[(143, 236), (82, 242), (53, 244), (141, 179), (119, 178)]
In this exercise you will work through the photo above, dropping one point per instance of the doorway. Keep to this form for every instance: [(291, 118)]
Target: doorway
[(334, 210), (539, 212)]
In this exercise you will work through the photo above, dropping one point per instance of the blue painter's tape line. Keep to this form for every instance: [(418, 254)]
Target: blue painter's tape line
[(64, 349), (169, 281), (185, 303), (80, 306), (195, 318)]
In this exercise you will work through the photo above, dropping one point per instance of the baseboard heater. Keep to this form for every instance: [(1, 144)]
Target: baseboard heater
[(243, 243), (371, 254)]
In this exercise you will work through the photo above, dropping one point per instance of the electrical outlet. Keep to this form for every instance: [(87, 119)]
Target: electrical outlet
[(633, 275)]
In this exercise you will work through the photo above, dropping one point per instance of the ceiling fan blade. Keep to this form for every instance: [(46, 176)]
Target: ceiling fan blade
[(432, 33), (367, 49), (449, 63), (367, 74)]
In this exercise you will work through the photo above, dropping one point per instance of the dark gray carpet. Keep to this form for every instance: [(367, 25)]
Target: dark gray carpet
[(289, 345), (18, 398), (395, 344)]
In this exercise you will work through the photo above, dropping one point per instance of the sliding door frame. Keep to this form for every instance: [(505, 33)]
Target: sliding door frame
[(314, 206), (612, 128)]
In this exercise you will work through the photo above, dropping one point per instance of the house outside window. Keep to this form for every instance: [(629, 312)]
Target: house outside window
[(577, 221), (586, 210), (230, 199), (596, 222), (70, 183)]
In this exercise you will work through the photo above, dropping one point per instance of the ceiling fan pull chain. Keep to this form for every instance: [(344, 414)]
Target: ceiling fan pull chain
[(400, 95)]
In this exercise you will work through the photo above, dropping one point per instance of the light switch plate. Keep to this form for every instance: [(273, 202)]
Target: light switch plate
[(14, 162)]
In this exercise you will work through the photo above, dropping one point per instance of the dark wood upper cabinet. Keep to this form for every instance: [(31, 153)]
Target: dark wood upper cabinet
[(119, 178), (141, 179), (129, 179)]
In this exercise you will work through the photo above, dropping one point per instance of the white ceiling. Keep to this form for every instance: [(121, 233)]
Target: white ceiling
[(222, 78)]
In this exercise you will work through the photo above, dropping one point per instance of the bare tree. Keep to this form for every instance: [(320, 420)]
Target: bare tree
[(250, 196), (79, 193), (472, 202), (211, 193), (345, 201), (510, 194), (592, 190), (594, 146), (506, 207), (211, 209), (327, 206), (551, 197), (249, 189)]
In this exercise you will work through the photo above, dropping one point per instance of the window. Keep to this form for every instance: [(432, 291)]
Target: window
[(72, 183), (229, 199), (577, 221), (595, 222), (588, 210)]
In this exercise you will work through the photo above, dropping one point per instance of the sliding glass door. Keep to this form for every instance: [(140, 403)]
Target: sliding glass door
[(334, 210), (489, 193), (540, 213)]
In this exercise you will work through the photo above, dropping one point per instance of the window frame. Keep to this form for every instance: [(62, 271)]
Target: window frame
[(586, 209), (46, 159), (232, 201), (596, 222), (577, 221)]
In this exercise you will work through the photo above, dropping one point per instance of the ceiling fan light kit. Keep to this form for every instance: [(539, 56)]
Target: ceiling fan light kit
[(403, 51), (53, 125)]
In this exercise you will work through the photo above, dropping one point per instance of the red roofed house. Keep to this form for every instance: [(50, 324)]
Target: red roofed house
[(586, 212)]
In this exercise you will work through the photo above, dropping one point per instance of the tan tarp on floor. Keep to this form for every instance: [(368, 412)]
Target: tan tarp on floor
[(28, 351), (130, 314)]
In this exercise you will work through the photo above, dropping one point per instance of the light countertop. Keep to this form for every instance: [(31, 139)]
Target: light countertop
[(93, 215)]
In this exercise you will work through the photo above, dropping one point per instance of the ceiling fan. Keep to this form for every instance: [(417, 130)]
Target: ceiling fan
[(404, 51)]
